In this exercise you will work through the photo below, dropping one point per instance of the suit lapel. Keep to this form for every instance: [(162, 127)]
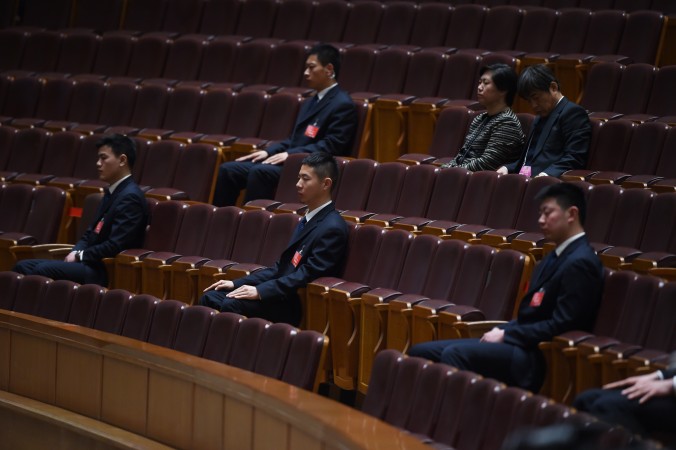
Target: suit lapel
[(542, 278), (311, 225), (309, 111), (551, 120)]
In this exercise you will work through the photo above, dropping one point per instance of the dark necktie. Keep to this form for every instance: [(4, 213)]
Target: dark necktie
[(547, 264), (299, 229), (533, 143)]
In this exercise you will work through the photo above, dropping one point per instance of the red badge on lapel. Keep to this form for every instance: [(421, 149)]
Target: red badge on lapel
[(536, 300), (311, 131), (99, 225), (296, 259)]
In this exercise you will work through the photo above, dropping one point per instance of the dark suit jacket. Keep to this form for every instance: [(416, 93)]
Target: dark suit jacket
[(563, 143), (125, 216), (323, 243), (336, 118), (572, 293)]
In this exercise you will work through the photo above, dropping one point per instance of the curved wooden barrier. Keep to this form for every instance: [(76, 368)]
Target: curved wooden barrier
[(118, 392)]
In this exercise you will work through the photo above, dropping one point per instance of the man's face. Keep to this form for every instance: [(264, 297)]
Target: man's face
[(555, 221), (318, 77), (310, 188), (544, 102), (111, 167)]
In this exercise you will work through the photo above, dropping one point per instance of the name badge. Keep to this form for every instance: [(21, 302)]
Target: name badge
[(98, 227), (296, 259), (311, 131), (536, 300), (525, 170)]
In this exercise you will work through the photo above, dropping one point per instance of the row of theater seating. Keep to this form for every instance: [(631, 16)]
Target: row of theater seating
[(222, 16), (452, 409), (633, 37), (276, 350), (638, 92), (165, 169), (30, 216)]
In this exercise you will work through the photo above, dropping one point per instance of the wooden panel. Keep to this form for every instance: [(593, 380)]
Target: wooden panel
[(4, 358), (298, 439), (238, 424), (124, 403), (170, 409), (33, 367), (207, 419), (269, 432), (78, 381)]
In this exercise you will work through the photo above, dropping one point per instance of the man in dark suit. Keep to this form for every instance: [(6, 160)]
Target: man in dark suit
[(327, 122), (120, 221), (564, 294), (317, 248), (559, 140), (643, 404)]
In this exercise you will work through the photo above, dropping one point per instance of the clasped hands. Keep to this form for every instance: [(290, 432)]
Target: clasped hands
[(262, 157), (243, 292)]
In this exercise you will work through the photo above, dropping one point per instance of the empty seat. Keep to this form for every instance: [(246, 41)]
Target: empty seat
[(112, 311), (148, 56), (221, 336), (465, 27), (165, 322), (113, 54), (9, 284), (41, 51), (256, 18), (97, 15), (78, 51), (247, 341), (430, 25), (144, 15), (139, 317), (183, 16), (293, 19), (385, 190), (219, 17), (328, 21), (306, 357), (193, 330), (396, 23), (500, 28), (85, 304), (274, 349), (363, 22)]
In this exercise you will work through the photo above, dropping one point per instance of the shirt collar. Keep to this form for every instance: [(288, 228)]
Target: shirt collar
[(322, 93), (114, 186), (310, 214), (566, 243)]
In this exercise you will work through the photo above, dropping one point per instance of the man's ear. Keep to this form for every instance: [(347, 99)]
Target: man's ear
[(327, 183), (574, 214), (123, 159)]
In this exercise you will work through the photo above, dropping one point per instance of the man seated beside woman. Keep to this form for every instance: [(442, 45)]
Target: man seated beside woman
[(495, 137)]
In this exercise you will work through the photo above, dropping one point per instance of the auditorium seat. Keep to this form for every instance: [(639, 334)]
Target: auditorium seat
[(85, 103), (665, 165), (182, 108), (306, 356), (41, 51), (160, 236), (291, 56), (193, 329), (112, 311), (442, 144), (662, 97), (362, 249), (165, 322), (144, 15), (221, 336), (247, 343), (640, 40), (184, 57), (78, 51), (115, 109), (148, 56), (43, 223), (9, 285), (430, 25), (218, 242), (409, 372), (53, 103), (389, 72), (396, 23), (61, 153), (276, 240), (535, 31), (356, 66), (353, 190), (328, 21), (345, 303), (256, 18), (293, 19), (55, 303), (139, 317), (97, 15), (189, 241), (219, 17), (274, 349), (182, 16), (12, 42), (247, 247), (601, 89), (245, 119), (417, 266), (384, 194), (500, 28), (23, 95), (212, 118), (465, 27), (85, 304), (505, 410), (363, 21)]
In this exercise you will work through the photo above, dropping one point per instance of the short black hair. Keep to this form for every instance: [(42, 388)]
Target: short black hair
[(504, 77), (324, 165), (120, 145), (536, 78), (327, 54), (566, 195)]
